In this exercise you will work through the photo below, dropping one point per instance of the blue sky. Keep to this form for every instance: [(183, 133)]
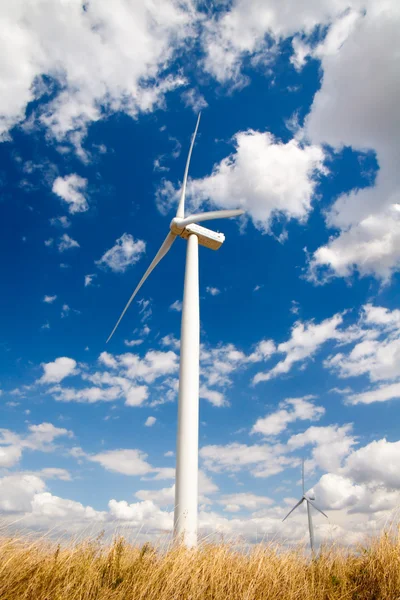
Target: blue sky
[(300, 328)]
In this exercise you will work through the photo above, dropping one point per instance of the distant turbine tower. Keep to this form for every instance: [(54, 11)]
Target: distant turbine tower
[(310, 502), (187, 459)]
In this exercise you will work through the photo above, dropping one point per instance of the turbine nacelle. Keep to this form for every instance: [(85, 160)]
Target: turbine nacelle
[(208, 238)]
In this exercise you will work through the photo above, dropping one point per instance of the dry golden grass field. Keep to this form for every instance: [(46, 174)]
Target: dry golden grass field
[(38, 570)]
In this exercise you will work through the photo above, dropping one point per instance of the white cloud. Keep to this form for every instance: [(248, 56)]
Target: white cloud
[(367, 220), (194, 99), (129, 378), (9, 455), (255, 177), (372, 247), (378, 353), (125, 253), (150, 421), (128, 462), (248, 28), (17, 492), (56, 371), (117, 56), (375, 463), (39, 438), (154, 364), (44, 434), (163, 473), (290, 410), (49, 299), (177, 305), (65, 311), (262, 351), (162, 497), (131, 462), (262, 460), (170, 341), (249, 501), (71, 189), (306, 339), (214, 396), (66, 243), (382, 393), (166, 496), (49, 242), (331, 444), (108, 360), (132, 343), (55, 473), (138, 513), (89, 279), (88, 394), (213, 291), (63, 222)]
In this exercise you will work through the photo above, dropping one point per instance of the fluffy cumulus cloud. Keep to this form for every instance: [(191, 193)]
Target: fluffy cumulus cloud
[(116, 56), (66, 242), (357, 106), (376, 355), (71, 189), (371, 247), (39, 438), (330, 444), (292, 409), (376, 463), (305, 340), (54, 372), (128, 462), (267, 178), (17, 492), (126, 376), (262, 460), (125, 253), (250, 28)]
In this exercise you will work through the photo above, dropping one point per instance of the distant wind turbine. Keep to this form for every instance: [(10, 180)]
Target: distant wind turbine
[(186, 488), (310, 502)]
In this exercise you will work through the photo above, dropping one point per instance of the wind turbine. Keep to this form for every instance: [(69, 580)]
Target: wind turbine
[(310, 502), (186, 482)]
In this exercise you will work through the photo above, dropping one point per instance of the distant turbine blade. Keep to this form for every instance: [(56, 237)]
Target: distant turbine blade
[(181, 206), (208, 216), (169, 240), (302, 474), (294, 508), (316, 507)]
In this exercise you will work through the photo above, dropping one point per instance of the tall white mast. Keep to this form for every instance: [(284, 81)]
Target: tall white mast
[(187, 443), (186, 488)]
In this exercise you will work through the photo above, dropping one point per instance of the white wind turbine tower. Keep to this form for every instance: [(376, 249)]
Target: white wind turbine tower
[(310, 503), (186, 482)]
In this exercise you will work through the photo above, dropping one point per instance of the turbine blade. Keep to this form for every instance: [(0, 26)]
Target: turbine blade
[(294, 508), (316, 507), (169, 240), (181, 206), (302, 474), (208, 216)]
